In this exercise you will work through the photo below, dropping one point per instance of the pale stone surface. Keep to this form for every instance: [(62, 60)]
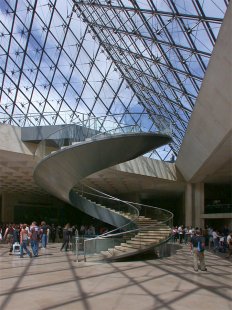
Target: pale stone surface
[(150, 167), (55, 280), (207, 144), (10, 141)]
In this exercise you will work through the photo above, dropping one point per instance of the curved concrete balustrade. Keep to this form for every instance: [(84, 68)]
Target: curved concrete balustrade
[(60, 171)]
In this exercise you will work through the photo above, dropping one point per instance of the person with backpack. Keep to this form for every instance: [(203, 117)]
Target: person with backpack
[(12, 236), (34, 238), (24, 241), (8, 236), (197, 244)]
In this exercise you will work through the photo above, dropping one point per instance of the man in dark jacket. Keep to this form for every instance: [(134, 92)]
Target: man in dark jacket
[(197, 244)]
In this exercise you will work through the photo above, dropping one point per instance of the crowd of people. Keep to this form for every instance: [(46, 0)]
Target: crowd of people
[(32, 237), (25, 235), (199, 239), (214, 239)]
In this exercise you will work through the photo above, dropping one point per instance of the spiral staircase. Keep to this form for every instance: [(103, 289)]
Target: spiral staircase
[(64, 163)]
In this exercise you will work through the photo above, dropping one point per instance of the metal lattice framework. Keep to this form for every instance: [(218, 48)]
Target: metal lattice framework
[(62, 59)]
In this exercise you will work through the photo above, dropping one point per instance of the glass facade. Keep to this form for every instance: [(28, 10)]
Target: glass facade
[(61, 60)]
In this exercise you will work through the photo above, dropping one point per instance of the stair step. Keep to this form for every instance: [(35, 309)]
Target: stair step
[(151, 228), (155, 230), (124, 249), (150, 223), (145, 224), (106, 254), (140, 242), (154, 234), (152, 237), (145, 219), (115, 252), (111, 251), (149, 237), (120, 248), (133, 246), (146, 239), (136, 246)]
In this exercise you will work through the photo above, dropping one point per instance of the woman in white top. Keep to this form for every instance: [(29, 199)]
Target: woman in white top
[(229, 242), (215, 240)]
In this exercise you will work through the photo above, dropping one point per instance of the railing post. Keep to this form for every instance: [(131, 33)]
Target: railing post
[(77, 245), (84, 252)]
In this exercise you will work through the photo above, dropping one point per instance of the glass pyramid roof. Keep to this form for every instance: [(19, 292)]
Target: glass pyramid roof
[(136, 61)]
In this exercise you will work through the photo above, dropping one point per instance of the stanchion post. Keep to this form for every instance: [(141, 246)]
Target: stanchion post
[(76, 245)]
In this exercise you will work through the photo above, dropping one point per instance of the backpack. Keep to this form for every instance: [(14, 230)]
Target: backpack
[(35, 234), (10, 231), (44, 229), (200, 246), (16, 236)]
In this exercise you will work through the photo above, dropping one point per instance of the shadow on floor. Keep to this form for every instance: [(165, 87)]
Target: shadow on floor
[(165, 250)]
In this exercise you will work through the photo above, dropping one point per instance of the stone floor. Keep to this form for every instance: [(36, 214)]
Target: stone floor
[(54, 280)]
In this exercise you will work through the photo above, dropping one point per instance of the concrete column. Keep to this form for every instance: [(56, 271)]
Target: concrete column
[(199, 199), (188, 205)]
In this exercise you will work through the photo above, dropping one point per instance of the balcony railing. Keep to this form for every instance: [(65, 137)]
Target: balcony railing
[(218, 208)]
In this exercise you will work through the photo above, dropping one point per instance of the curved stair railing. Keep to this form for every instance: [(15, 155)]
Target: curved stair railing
[(74, 152), (144, 227)]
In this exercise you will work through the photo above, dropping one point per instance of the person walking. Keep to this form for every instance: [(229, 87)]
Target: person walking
[(181, 233), (53, 233), (66, 237), (24, 241), (8, 236), (197, 244), (44, 233), (15, 238), (34, 237), (216, 238), (229, 243)]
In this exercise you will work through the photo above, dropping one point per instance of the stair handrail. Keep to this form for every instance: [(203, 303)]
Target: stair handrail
[(137, 206), (109, 197), (89, 129), (113, 233), (140, 206)]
